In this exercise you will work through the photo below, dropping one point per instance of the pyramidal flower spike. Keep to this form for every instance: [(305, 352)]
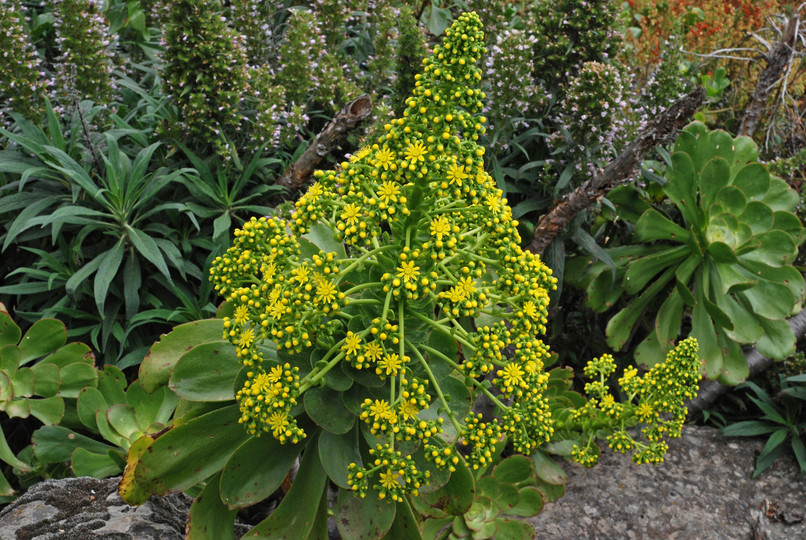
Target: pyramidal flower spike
[(372, 281)]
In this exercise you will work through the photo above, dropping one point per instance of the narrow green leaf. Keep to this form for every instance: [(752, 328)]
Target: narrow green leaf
[(147, 247), (107, 272)]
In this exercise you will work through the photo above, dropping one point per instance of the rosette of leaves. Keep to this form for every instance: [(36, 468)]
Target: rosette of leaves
[(108, 411), (40, 376), (721, 253), (507, 493)]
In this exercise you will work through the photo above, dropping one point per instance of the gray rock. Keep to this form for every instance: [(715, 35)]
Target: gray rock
[(82, 508), (704, 489)]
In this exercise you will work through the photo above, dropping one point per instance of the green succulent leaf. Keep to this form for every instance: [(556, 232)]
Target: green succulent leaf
[(87, 463), (367, 517), (456, 496), (206, 373), (778, 341), (326, 408), (753, 180), (530, 503), (337, 452), (89, 402), (715, 176), (682, 189), (75, 377), (56, 444), (620, 325), (209, 517), (44, 337), (294, 518), (191, 452), (160, 361), (248, 477), (70, 354), (734, 364), (654, 226), (10, 333), (514, 470)]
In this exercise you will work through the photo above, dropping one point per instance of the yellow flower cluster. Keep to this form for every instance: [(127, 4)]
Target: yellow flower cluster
[(658, 395), (420, 241)]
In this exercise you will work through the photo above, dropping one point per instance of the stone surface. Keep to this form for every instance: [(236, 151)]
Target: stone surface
[(704, 489), (88, 508)]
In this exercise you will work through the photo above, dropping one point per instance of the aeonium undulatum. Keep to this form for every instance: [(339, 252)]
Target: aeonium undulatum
[(396, 286)]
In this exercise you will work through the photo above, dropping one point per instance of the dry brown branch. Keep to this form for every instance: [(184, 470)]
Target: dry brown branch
[(777, 63), (662, 130), (329, 138), (711, 390)]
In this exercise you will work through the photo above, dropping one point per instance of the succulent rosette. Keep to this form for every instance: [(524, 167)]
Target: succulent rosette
[(726, 259)]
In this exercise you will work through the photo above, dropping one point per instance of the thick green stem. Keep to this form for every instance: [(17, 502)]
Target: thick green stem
[(475, 383), (437, 388)]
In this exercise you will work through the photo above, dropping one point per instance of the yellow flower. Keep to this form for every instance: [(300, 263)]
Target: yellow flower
[(440, 226), (380, 410), (352, 344), (373, 351), (384, 157), (246, 338), (391, 363), (276, 310), (241, 315), (456, 174), (301, 274), (467, 285), (530, 310), (351, 214), (493, 203), (389, 479), (278, 421), (408, 409), (325, 292), (360, 154), (314, 193), (512, 375), (260, 383), (268, 272), (408, 271), (389, 192), (276, 374), (456, 294), (416, 152), (645, 412)]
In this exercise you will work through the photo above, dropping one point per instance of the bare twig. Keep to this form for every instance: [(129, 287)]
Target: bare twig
[(329, 138), (777, 62), (662, 130)]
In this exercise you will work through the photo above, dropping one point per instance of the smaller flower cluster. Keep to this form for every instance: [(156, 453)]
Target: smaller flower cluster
[(659, 398), (266, 400), (396, 475)]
